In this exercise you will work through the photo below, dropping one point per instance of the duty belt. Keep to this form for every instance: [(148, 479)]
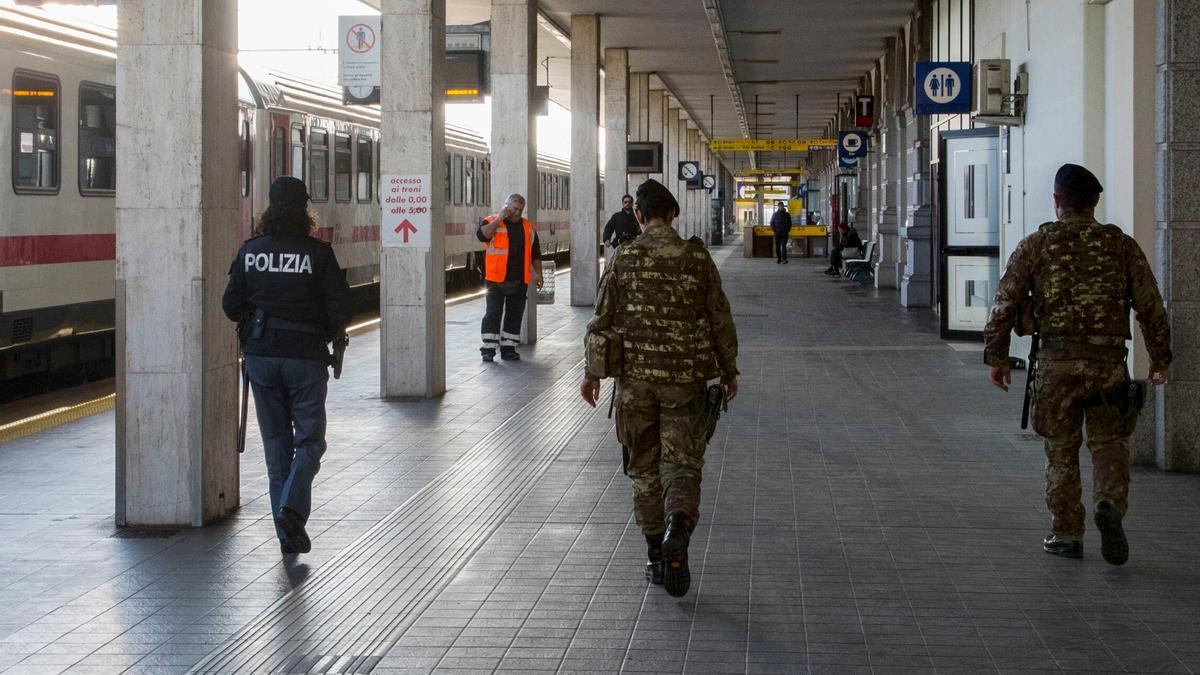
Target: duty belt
[(1082, 349)]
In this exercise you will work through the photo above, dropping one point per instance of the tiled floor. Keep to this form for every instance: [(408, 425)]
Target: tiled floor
[(869, 506)]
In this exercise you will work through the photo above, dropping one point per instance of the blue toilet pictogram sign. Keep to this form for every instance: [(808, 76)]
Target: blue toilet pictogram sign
[(942, 87)]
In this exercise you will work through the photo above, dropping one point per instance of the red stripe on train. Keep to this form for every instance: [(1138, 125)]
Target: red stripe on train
[(51, 249)]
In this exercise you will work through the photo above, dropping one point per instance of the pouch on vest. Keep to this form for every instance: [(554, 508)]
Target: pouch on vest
[(604, 353), (258, 324)]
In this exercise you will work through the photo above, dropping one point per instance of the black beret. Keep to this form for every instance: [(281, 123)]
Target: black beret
[(1073, 179), (288, 191), (654, 192)]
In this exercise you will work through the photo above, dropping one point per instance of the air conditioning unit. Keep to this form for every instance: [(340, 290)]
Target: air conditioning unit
[(995, 102)]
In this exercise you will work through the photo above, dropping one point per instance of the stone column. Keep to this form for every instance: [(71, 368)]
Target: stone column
[(412, 284), (639, 111), (585, 157), (887, 271), (616, 126), (1177, 239), (656, 124), (916, 285), (671, 167), (176, 420)]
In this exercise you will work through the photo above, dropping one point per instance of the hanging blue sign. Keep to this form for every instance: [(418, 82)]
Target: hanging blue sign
[(942, 87), (852, 146)]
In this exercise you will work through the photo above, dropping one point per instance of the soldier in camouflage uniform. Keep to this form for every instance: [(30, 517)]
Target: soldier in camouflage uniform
[(663, 296), (1078, 280)]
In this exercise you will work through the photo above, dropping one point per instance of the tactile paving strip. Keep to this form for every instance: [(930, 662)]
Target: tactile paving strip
[(354, 608)]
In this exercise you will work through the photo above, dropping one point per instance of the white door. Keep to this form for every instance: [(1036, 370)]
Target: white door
[(973, 191)]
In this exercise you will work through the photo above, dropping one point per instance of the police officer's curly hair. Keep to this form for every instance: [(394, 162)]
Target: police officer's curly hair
[(286, 221), (654, 200)]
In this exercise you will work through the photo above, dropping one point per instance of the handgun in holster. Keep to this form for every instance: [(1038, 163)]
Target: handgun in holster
[(714, 405), (338, 344), (1126, 398)]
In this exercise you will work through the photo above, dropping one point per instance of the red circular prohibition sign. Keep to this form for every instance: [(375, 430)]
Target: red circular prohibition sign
[(360, 38)]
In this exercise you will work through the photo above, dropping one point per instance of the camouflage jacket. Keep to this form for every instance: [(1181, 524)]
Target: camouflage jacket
[(662, 294), (1078, 279)]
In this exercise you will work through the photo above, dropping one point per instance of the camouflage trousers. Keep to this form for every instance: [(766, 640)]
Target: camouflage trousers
[(1058, 417), (662, 429)]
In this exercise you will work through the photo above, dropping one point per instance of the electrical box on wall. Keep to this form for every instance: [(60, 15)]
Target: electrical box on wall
[(996, 102)]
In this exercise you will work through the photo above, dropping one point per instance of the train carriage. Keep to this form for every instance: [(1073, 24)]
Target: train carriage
[(57, 222)]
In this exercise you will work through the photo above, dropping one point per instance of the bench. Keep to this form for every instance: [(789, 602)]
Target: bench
[(860, 268)]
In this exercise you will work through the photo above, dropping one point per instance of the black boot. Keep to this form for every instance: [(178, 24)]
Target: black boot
[(1066, 547), (509, 354), (489, 355), (292, 524), (676, 577), (654, 559), (1113, 544)]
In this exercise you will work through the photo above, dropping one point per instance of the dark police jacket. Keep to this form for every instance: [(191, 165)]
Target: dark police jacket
[(622, 227), (297, 282), (781, 223)]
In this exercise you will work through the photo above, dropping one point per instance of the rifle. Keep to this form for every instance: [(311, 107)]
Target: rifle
[(1030, 375)]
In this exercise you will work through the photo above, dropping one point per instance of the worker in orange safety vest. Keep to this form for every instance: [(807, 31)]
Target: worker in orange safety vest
[(512, 259)]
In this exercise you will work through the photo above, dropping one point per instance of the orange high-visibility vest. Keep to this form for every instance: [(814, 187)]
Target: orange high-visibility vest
[(495, 263)]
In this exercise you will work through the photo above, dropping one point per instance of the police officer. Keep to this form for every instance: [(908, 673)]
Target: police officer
[(663, 296), (1079, 279), (781, 225), (289, 297), (622, 226), (512, 258)]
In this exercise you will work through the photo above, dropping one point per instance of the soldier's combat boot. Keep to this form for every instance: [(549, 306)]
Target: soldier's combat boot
[(1113, 544), (676, 577), (654, 559), (1067, 547)]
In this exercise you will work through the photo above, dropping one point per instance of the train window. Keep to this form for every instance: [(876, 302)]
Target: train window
[(456, 176), (566, 192), (35, 132), (278, 152), (541, 198), (245, 156), (469, 181), (97, 139), (318, 164), (342, 167), (378, 174), (449, 192), (366, 162), (298, 152)]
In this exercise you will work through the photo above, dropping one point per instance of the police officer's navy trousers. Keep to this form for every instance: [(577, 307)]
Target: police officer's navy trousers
[(289, 397), (505, 300)]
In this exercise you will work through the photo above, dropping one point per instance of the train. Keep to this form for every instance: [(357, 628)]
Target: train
[(57, 222)]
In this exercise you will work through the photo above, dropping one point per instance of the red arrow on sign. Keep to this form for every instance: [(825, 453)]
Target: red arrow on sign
[(406, 228)]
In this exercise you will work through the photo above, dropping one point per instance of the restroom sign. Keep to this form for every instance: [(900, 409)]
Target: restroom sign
[(942, 87), (406, 221)]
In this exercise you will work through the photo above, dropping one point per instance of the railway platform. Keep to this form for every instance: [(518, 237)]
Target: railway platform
[(869, 506)]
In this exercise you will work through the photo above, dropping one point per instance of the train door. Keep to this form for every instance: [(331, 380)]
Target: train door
[(969, 229)]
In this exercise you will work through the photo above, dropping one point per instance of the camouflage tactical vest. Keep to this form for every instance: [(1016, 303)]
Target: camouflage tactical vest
[(1080, 286), (662, 316)]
